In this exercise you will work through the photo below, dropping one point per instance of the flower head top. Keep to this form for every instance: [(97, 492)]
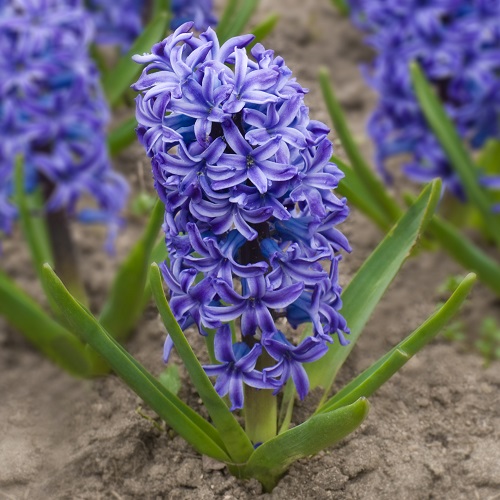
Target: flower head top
[(116, 23), (52, 111), (198, 11), (250, 216), (457, 43)]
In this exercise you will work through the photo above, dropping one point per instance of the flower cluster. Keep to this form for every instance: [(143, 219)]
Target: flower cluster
[(52, 111), (250, 216), (198, 11), (457, 43), (116, 23)]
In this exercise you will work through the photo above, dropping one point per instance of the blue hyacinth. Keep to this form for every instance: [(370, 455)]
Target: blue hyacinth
[(457, 44), (116, 22), (53, 113), (250, 216)]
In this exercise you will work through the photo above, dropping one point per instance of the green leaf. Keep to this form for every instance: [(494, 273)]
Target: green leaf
[(122, 136), (224, 25), (374, 186), (171, 379), (119, 79), (185, 421), (32, 226), (489, 157), (160, 6), (376, 375), (124, 304), (271, 460), (455, 150), (235, 18), (47, 335), (264, 29), (372, 280), (233, 435), (357, 194), (466, 253)]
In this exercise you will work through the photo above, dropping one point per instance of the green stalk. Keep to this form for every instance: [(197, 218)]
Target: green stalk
[(63, 248), (261, 409)]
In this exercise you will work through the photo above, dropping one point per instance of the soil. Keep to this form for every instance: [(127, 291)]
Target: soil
[(433, 431)]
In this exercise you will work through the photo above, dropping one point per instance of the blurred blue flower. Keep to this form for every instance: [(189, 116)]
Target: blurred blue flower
[(53, 113), (116, 22), (250, 215), (198, 11), (457, 44)]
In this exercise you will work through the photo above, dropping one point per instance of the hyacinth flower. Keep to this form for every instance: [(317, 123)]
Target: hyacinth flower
[(116, 23), (200, 12), (117, 78), (246, 181), (55, 168), (56, 115), (247, 184), (457, 45)]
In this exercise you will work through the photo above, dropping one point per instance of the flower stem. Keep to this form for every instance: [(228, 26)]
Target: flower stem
[(63, 248), (261, 412)]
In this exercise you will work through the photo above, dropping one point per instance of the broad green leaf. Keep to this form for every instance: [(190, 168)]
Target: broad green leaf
[(185, 421), (264, 29), (271, 460), (357, 194), (125, 304), (376, 375), (372, 280), (374, 186), (46, 334), (122, 136), (233, 435), (455, 150), (126, 71)]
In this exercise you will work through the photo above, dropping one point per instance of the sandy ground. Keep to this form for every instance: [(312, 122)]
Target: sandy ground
[(433, 431)]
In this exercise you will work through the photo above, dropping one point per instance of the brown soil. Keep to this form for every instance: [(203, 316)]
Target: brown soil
[(433, 431)]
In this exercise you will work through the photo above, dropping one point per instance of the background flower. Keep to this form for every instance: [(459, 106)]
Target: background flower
[(457, 43), (53, 113)]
